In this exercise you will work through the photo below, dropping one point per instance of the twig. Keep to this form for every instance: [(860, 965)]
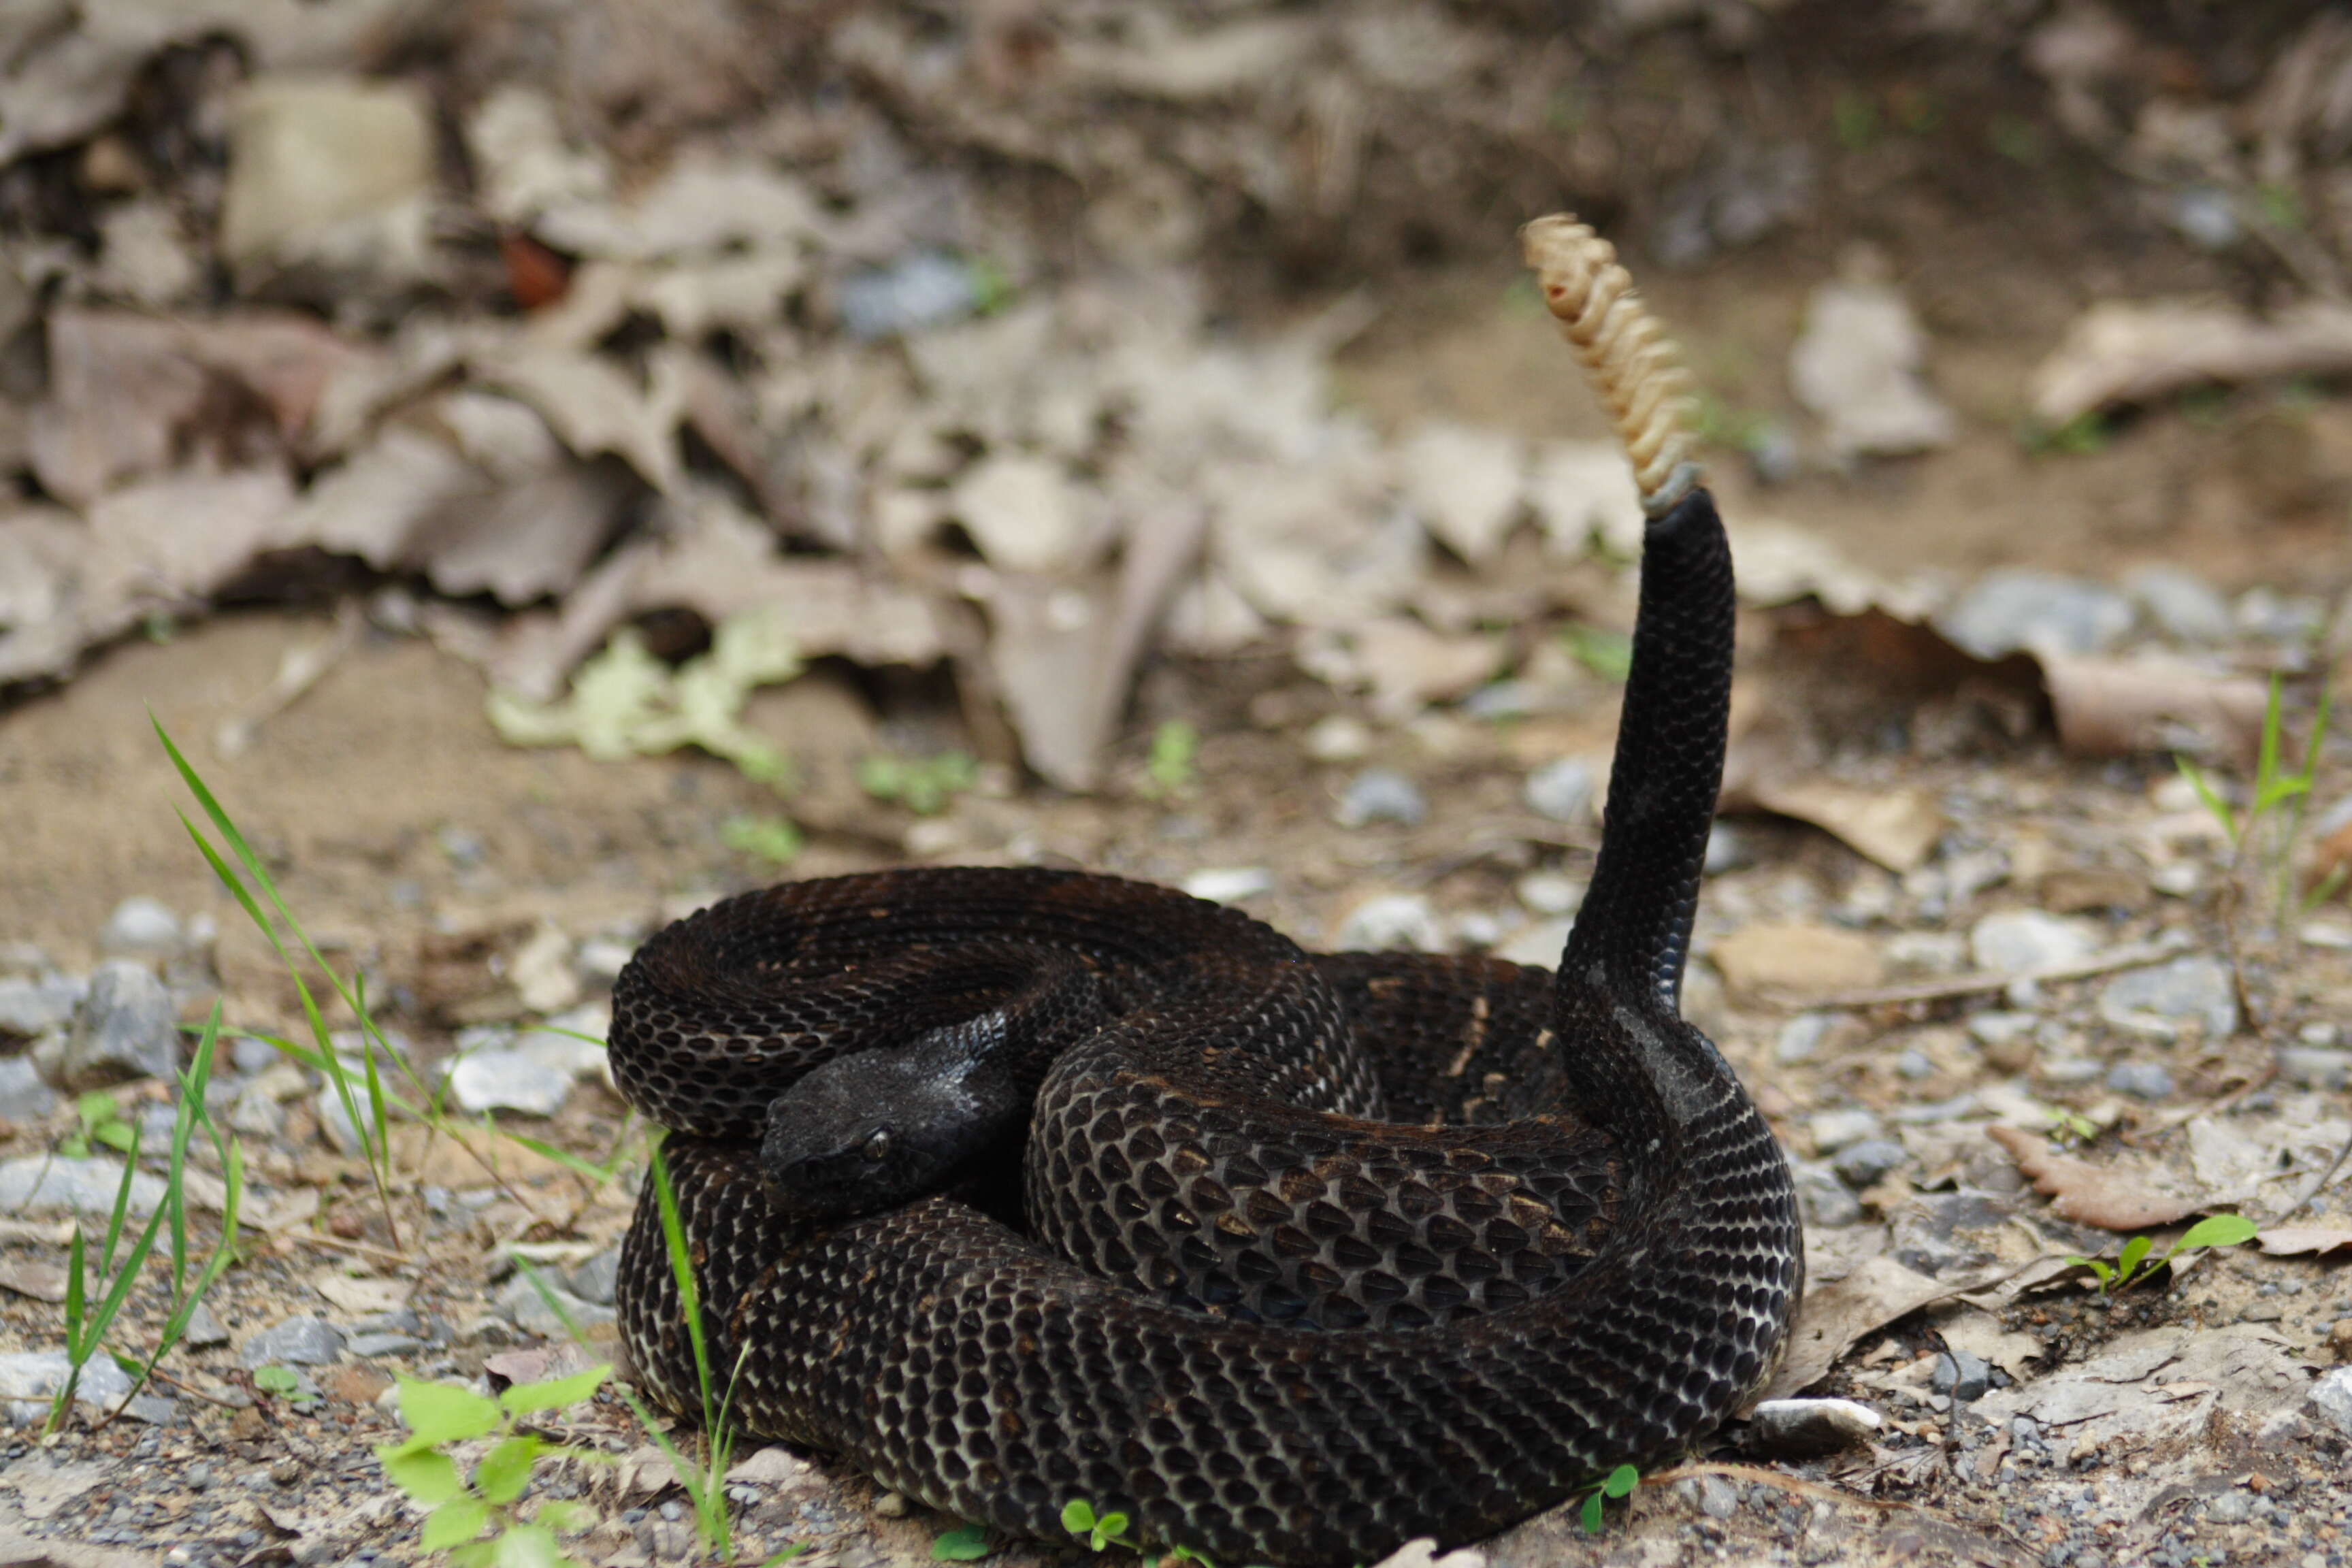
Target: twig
[(2135, 957), (2343, 1151), (299, 671)]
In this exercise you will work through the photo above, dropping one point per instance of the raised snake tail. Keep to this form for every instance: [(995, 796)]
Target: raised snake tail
[(1632, 361)]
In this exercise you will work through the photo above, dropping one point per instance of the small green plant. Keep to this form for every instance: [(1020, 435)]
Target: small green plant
[(87, 1325), (776, 839), (1617, 1485), (964, 1543), (439, 1416), (101, 1119), (2274, 811), (2131, 1265), (1856, 118), (1172, 766), (2072, 1126), (1607, 654), (375, 1147), (924, 785), (286, 1384), (2016, 138), (1098, 1530), (2084, 436)]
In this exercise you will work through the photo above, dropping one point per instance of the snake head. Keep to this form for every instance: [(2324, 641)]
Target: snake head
[(877, 1129)]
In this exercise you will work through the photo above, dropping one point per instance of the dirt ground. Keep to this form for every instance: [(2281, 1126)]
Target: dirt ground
[(2171, 1424)]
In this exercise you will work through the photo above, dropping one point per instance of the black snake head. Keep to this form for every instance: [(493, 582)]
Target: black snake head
[(871, 1130)]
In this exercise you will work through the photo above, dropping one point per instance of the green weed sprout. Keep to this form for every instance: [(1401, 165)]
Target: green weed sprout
[(1607, 654), (776, 839), (1098, 1530), (705, 1484), (2133, 1266), (924, 785), (101, 1121), (439, 1415), (964, 1543), (116, 1269), (375, 1147), (1172, 767), (1618, 1483), (2279, 799)]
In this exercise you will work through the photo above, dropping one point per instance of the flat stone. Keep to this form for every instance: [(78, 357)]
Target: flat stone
[(205, 1330), (23, 1096), (2018, 609), (87, 1185), (250, 1056), (523, 1306), (126, 1027), (1229, 884), (33, 1005), (1966, 1377), (563, 1050), (2142, 1080), (2030, 941), (1338, 738), (256, 1114), (2183, 605), (1802, 1035), (1834, 1130), (1382, 795), (1825, 1201), (1390, 922), (594, 1280), (300, 1340), (509, 1080), (1717, 1499), (1807, 1428), (1562, 791), (922, 288), (2331, 1397), (2315, 1066), (2195, 991), (372, 1347), (142, 927), (38, 1374), (1869, 1161)]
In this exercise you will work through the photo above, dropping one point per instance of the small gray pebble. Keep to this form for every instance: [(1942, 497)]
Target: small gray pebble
[(2144, 1080), (1967, 1378), (142, 927), (1382, 795), (1861, 1163), (1560, 791), (295, 1342), (1914, 1065), (1717, 1499)]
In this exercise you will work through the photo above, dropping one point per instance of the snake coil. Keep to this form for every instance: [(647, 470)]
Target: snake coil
[(1288, 1257)]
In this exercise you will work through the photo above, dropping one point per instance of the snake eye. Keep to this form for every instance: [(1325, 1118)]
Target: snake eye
[(877, 1144)]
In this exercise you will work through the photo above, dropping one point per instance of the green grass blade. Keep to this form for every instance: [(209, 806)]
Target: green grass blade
[(121, 1210), (2267, 754)]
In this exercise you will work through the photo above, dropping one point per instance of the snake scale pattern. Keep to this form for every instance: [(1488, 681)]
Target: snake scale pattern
[(1302, 1255)]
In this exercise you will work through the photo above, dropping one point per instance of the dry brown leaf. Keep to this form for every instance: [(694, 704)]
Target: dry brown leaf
[(1832, 1317), (1898, 828), (2304, 1240), (2119, 1196), (1797, 957), (2116, 706), (2129, 351)]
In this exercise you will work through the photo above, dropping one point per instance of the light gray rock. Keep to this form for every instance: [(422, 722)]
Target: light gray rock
[(2315, 1066), (2141, 1080), (2015, 609), (528, 1309), (33, 1005), (1717, 1499), (23, 1096), (300, 1341), (1998, 1028), (43, 1183), (922, 288), (142, 927), (257, 1114), (38, 1374), (1826, 1203), (1727, 850), (1800, 1036), (1562, 791), (594, 1280), (567, 1053), (250, 1056), (1382, 795), (126, 1027), (2030, 941), (1390, 922), (2331, 1397), (2231, 1506), (2195, 990), (509, 1080), (1868, 1161), (1807, 1428), (205, 1330), (374, 1346), (2183, 605), (1967, 1378), (1834, 1130)]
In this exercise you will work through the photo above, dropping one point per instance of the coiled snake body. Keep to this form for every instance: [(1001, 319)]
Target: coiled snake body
[(1322, 1253)]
